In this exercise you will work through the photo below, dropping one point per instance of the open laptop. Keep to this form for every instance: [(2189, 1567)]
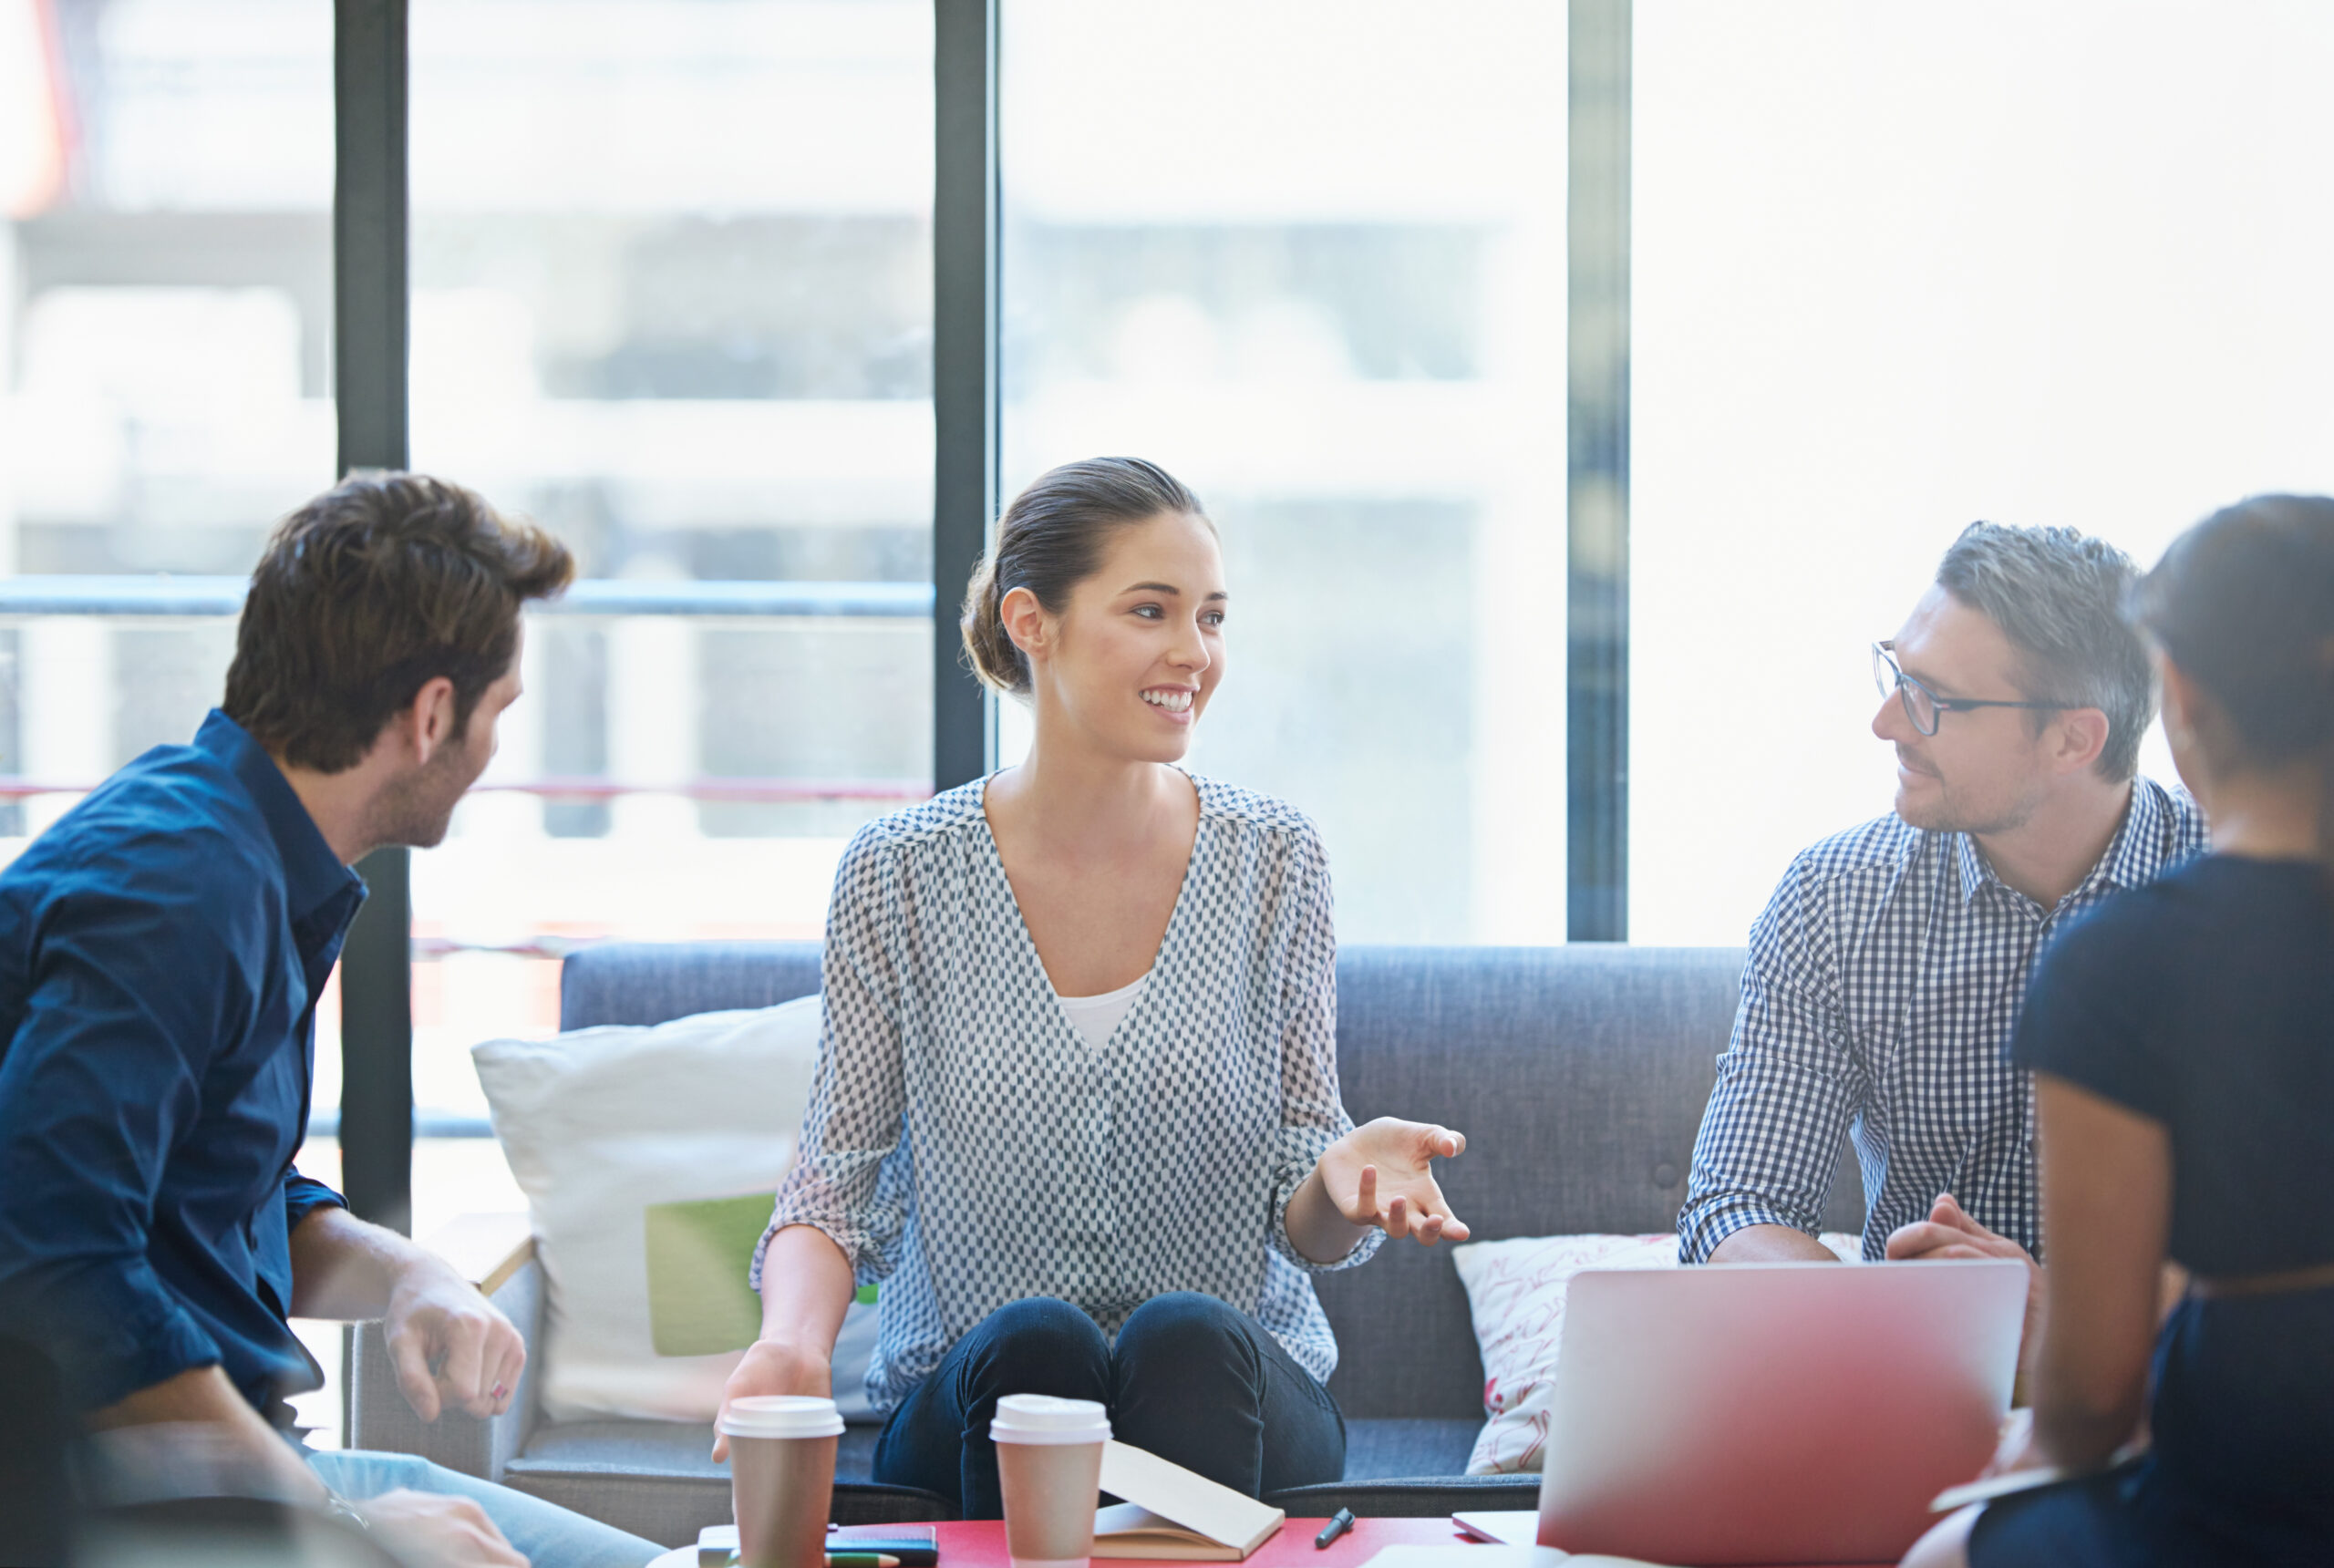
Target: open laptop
[(1775, 1413)]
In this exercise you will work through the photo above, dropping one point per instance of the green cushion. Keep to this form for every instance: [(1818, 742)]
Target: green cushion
[(698, 1254), (698, 1257)]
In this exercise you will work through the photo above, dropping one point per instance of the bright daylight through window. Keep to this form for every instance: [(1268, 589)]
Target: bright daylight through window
[(1310, 257), (699, 362), (672, 297), (1902, 267)]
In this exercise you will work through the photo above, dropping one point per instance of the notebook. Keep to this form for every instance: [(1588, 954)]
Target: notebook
[(1172, 1515)]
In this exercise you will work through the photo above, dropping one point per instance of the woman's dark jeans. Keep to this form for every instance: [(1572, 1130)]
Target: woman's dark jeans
[(1190, 1380)]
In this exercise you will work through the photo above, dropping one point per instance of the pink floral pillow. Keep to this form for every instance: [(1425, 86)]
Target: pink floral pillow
[(1516, 1291)]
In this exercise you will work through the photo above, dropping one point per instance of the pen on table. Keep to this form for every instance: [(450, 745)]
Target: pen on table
[(861, 1560), (1339, 1522)]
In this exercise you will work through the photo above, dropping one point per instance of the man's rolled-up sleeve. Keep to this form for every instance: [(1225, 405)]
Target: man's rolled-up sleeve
[(99, 1084), (302, 1196), (1789, 1084)]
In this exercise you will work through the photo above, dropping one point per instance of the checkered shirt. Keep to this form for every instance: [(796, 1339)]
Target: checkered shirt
[(1884, 977), (967, 1147)]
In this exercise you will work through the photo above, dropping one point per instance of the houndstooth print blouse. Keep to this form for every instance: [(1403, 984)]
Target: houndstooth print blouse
[(966, 1145)]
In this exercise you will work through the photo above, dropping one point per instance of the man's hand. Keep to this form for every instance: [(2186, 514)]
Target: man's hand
[(770, 1367), (449, 1530), (449, 1345), (1381, 1174), (1950, 1233)]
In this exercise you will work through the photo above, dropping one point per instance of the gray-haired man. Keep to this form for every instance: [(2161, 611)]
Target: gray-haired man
[(1888, 970)]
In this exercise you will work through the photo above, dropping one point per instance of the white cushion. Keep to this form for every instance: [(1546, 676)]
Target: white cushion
[(1516, 1291), (601, 1123)]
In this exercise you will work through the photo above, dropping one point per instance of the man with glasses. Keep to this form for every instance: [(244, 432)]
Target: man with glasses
[(1888, 969)]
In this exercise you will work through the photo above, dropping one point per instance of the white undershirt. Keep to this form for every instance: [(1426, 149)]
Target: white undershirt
[(1096, 1017)]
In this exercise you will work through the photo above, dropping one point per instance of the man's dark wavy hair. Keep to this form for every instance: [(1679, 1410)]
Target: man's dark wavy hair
[(380, 585)]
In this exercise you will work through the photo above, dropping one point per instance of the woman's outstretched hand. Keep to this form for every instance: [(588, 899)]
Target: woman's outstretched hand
[(1380, 1174)]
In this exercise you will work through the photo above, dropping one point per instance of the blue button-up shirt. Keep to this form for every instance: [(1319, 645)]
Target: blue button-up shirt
[(161, 949)]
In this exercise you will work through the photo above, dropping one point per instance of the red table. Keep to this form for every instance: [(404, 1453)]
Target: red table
[(980, 1544)]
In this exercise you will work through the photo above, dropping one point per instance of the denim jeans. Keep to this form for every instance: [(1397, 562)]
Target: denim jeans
[(546, 1534), (1190, 1379)]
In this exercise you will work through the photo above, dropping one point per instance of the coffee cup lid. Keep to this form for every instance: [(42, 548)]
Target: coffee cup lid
[(1042, 1419), (781, 1416)]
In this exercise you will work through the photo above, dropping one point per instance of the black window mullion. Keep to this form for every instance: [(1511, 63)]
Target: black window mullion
[(369, 336), (1597, 499), (964, 363)]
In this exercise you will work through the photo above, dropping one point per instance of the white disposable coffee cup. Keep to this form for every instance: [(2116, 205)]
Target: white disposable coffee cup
[(1049, 1466), (781, 1476)]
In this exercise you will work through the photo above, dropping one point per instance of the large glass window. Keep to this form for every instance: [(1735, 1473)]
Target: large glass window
[(672, 298), (1900, 267), (166, 269), (1310, 257)]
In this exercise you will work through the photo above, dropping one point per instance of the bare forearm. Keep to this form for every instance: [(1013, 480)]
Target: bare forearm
[(2074, 1430), (1316, 1229), (806, 1289), (201, 1397), (345, 1268), (2107, 1201), (1772, 1244)]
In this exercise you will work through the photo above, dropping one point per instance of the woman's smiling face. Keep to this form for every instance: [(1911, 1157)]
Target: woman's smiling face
[(1135, 655)]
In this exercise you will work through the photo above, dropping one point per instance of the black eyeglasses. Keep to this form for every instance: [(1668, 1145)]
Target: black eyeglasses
[(1923, 706)]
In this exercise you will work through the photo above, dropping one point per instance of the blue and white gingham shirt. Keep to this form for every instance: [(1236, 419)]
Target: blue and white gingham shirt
[(967, 1146), (1886, 975)]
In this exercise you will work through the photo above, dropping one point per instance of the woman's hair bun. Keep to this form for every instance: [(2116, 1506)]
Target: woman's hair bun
[(1050, 541)]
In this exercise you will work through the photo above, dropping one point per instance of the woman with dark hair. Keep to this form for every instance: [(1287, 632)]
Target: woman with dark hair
[(1077, 1096), (2183, 1043)]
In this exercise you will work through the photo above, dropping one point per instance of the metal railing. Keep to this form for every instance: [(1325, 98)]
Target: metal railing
[(170, 597), (743, 789)]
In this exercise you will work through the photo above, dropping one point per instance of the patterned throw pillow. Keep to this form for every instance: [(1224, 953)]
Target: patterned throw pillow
[(1516, 1290)]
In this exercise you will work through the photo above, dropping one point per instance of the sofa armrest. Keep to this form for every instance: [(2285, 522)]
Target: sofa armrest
[(495, 1252)]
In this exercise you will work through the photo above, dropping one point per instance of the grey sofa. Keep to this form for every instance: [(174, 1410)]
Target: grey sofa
[(1578, 1074)]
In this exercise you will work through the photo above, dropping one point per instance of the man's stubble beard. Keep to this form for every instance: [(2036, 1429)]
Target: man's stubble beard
[(418, 808), (1952, 814)]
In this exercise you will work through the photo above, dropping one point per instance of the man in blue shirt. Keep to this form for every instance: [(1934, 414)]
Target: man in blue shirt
[(161, 949)]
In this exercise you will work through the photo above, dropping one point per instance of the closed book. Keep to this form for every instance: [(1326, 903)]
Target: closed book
[(1131, 1530), (1171, 1514)]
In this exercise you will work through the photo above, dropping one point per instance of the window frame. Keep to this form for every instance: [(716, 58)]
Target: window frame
[(371, 307)]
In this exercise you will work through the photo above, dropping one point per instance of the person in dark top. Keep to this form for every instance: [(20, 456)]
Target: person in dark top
[(161, 949), (2184, 1043)]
